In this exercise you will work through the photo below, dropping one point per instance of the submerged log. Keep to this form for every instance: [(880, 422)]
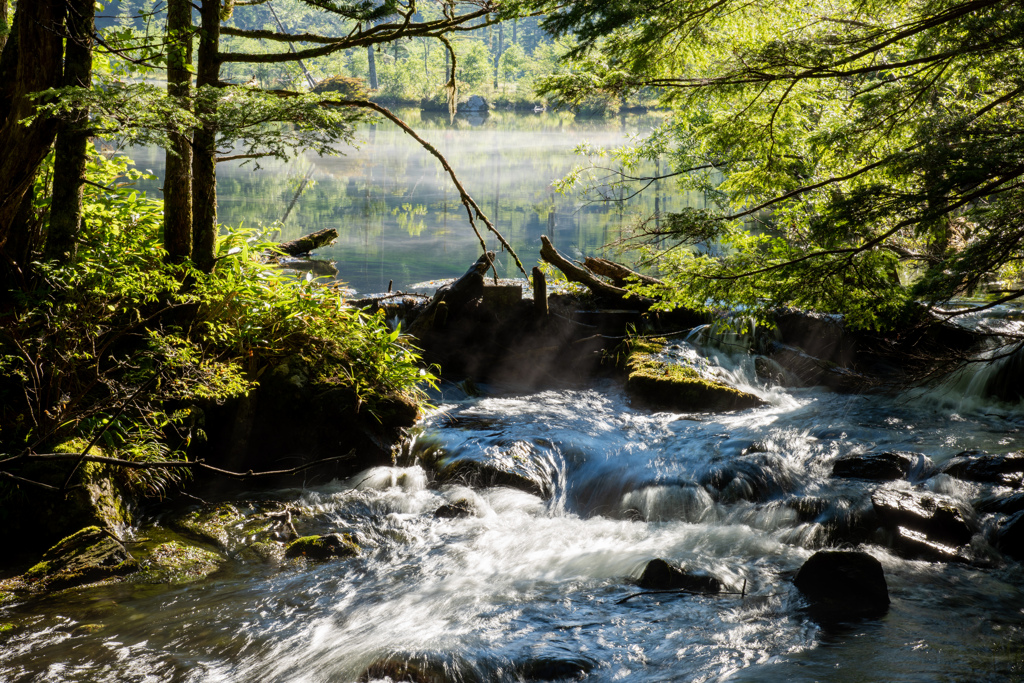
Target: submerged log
[(599, 287), (619, 274), (303, 245), (453, 297)]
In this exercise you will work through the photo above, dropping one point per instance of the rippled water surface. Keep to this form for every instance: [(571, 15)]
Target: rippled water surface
[(532, 587)]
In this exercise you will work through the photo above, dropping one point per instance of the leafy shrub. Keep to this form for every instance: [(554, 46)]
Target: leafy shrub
[(118, 347)]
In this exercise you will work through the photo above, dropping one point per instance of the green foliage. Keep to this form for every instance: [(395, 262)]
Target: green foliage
[(858, 157), (122, 348)]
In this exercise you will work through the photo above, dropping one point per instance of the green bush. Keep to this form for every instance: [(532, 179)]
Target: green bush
[(120, 346)]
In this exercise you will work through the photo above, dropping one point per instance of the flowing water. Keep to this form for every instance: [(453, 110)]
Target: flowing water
[(541, 586), (529, 587)]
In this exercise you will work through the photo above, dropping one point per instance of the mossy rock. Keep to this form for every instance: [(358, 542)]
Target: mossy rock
[(33, 520), (268, 553), (673, 386), (322, 547), (91, 554), (175, 562), (209, 524)]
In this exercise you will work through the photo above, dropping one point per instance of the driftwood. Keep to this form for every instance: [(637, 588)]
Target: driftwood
[(453, 297), (599, 287), (303, 245), (619, 274)]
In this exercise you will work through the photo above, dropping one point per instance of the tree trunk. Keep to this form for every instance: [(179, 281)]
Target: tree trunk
[(497, 53), (449, 299), (26, 235), (372, 61), (599, 287), (5, 25), (72, 137), (204, 147), (619, 274), (178, 177), (36, 65)]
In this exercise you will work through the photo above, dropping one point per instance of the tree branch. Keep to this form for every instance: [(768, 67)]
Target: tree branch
[(170, 464)]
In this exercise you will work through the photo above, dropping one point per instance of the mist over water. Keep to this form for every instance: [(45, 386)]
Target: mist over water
[(398, 215)]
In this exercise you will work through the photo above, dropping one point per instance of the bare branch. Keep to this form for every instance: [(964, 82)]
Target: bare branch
[(174, 464)]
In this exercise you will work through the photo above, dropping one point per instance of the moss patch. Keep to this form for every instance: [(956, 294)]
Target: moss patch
[(322, 547), (176, 562), (209, 524), (674, 386), (89, 555)]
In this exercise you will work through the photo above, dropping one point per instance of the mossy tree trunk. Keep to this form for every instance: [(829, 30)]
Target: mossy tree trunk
[(204, 142), (178, 176), (72, 136)]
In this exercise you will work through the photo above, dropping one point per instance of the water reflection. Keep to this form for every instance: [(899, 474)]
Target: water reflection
[(397, 213)]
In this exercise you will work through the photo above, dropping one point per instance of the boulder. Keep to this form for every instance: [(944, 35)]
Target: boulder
[(89, 555), (1010, 536), (175, 562), (885, 466), (420, 667), (475, 103), (925, 525), (34, 519), (660, 575), (841, 519), (1004, 470), (673, 386), (322, 547), (326, 418), (512, 464), (456, 509), (209, 524), (755, 477), (556, 668), (1006, 505), (843, 584)]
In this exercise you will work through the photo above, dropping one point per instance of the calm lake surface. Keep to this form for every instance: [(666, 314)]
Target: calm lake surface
[(531, 587), (399, 217)]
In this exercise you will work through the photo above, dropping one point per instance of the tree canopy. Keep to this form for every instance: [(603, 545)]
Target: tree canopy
[(862, 155)]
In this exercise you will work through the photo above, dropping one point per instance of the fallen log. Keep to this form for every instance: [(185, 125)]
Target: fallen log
[(450, 298), (303, 245), (599, 287), (619, 274)]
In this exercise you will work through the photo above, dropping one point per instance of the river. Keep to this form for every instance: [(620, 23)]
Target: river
[(529, 587)]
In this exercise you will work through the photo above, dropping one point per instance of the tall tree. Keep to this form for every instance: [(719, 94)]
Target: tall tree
[(178, 174), (72, 135), (32, 61), (204, 140)]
